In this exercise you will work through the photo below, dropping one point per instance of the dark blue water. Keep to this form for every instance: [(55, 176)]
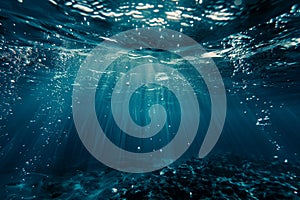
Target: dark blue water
[(254, 44)]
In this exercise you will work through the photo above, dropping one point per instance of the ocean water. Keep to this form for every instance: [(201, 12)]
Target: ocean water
[(254, 44)]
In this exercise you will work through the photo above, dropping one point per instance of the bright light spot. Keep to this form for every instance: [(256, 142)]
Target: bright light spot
[(114, 190)]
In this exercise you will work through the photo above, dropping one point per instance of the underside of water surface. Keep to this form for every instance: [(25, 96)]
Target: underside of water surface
[(255, 46)]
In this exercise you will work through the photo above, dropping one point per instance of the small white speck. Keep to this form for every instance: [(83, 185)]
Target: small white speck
[(53, 2)]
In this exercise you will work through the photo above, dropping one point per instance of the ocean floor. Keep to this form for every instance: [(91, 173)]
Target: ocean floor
[(215, 177)]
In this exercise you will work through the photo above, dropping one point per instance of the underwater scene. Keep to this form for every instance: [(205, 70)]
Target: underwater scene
[(161, 99)]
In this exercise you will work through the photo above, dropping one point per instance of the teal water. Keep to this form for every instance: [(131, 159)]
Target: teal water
[(254, 44)]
